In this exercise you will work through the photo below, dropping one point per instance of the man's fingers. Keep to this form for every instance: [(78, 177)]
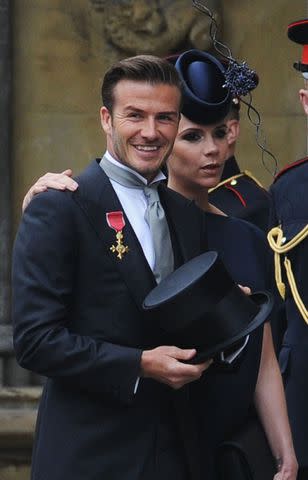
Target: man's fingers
[(246, 290), (182, 354), (187, 354), (167, 365), (185, 373)]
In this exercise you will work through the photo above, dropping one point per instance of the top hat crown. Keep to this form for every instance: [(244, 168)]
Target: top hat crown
[(200, 306), (298, 32), (205, 99)]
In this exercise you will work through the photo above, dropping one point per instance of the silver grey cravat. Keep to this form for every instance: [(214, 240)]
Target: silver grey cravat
[(156, 219), (154, 216)]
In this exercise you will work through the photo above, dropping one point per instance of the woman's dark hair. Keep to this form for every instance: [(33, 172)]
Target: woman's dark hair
[(142, 68)]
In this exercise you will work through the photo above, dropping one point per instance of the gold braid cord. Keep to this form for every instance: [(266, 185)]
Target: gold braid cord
[(279, 246)]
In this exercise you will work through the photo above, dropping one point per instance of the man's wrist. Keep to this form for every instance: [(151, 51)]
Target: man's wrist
[(145, 362)]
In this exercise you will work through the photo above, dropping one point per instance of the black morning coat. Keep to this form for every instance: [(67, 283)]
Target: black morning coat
[(290, 210), (78, 321)]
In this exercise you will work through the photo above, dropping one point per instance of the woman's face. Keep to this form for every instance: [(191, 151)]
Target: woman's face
[(199, 154)]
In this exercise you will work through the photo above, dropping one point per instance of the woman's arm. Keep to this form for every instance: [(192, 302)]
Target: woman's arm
[(271, 407)]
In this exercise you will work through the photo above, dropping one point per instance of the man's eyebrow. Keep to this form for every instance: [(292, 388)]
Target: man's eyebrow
[(131, 107), (140, 110), (172, 112)]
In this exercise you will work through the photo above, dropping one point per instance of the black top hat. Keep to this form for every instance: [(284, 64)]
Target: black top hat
[(200, 306), (205, 99), (298, 32)]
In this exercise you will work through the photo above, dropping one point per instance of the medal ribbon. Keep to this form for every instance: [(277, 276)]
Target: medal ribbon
[(115, 220)]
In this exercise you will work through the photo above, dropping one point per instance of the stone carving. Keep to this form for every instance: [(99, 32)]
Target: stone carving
[(156, 27)]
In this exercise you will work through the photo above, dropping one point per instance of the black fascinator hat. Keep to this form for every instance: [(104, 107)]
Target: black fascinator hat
[(205, 98)]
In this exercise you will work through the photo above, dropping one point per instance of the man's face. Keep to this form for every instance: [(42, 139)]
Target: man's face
[(143, 125)]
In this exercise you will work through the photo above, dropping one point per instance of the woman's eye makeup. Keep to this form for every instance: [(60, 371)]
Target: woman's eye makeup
[(192, 136), (220, 132)]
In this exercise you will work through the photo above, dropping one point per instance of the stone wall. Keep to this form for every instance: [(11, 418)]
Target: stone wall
[(257, 33), (61, 50), (18, 408)]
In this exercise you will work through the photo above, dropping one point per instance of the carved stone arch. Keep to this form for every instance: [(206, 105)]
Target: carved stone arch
[(156, 27)]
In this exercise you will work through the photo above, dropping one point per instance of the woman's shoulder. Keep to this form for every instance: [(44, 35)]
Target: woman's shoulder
[(235, 226)]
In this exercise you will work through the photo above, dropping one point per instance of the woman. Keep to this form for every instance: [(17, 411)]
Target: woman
[(195, 165)]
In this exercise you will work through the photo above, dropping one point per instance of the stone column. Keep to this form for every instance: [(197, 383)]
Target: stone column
[(5, 204)]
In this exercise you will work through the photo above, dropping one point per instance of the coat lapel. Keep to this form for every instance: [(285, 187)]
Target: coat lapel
[(96, 197), (184, 218)]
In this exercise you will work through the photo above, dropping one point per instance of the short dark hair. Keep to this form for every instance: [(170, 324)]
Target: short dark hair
[(234, 112), (142, 68)]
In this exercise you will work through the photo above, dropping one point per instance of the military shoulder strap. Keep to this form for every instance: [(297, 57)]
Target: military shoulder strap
[(280, 247)]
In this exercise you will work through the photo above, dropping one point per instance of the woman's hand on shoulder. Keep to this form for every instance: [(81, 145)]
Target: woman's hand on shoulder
[(57, 181)]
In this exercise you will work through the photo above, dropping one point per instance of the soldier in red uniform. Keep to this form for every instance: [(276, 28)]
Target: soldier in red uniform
[(289, 240)]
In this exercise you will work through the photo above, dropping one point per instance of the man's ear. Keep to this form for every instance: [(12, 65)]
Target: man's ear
[(106, 120), (303, 96), (233, 131)]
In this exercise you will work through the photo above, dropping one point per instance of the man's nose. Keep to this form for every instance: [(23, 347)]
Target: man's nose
[(149, 129)]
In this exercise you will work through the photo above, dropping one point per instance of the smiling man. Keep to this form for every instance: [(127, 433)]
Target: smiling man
[(83, 263), (141, 125)]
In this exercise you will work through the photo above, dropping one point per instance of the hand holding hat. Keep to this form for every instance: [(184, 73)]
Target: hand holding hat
[(200, 306)]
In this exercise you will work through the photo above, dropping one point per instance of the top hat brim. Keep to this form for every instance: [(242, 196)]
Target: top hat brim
[(265, 301)]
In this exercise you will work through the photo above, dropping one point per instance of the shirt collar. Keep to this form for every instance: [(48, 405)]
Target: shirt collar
[(158, 178)]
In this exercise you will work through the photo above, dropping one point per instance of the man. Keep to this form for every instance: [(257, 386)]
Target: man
[(83, 263), (288, 238)]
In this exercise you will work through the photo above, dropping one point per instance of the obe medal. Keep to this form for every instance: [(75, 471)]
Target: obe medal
[(116, 221)]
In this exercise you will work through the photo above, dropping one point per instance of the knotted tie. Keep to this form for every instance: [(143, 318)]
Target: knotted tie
[(154, 216)]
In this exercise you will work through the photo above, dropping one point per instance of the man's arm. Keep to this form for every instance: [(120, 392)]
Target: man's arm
[(43, 272)]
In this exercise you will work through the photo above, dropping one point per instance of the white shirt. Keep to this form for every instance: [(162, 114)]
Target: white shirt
[(134, 203)]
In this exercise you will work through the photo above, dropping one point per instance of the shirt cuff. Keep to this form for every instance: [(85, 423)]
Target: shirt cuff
[(136, 385)]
